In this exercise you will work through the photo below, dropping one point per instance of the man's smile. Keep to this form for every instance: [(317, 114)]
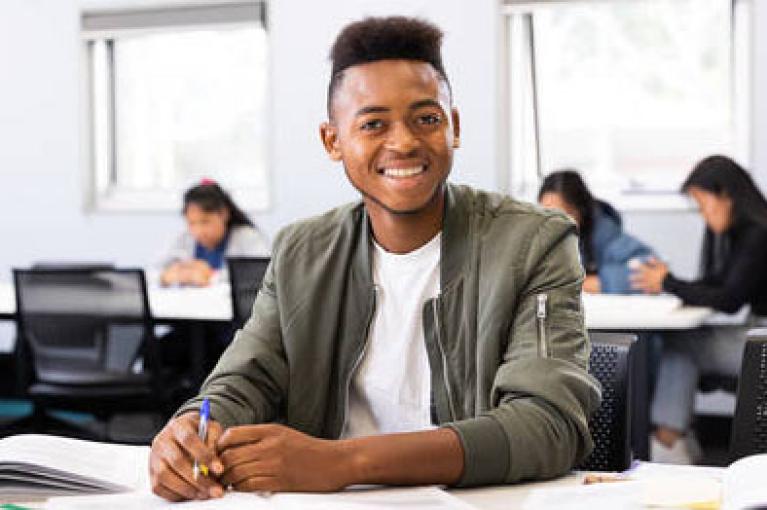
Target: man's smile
[(398, 172)]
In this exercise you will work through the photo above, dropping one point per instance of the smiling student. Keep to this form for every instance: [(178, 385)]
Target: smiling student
[(395, 340)]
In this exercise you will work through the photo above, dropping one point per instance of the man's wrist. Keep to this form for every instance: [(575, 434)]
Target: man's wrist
[(350, 462)]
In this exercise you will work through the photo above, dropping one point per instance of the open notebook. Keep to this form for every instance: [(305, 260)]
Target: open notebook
[(40, 465)]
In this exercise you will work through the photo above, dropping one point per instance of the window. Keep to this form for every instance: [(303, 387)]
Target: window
[(177, 94), (629, 92)]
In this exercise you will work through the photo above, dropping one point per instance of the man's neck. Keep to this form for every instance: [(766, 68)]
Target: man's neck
[(403, 233)]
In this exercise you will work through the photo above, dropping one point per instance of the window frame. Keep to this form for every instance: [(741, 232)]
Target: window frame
[(625, 199), (102, 193)]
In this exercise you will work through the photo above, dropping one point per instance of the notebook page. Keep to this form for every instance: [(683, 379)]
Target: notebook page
[(374, 498), (147, 501), (113, 466), (417, 498)]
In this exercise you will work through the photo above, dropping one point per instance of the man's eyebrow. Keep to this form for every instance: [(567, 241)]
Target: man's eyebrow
[(425, 102), (372, 109)]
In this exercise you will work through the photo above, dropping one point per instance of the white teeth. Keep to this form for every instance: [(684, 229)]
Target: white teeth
[(403, 172)]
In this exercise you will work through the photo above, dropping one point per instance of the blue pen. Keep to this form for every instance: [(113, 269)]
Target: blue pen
[(202, 431)]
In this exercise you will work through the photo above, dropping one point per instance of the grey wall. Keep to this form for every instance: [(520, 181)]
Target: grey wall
[(42, 214)]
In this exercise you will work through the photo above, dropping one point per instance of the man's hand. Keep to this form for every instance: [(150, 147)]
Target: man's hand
[(171, 461), (275, 458), (648, 277)]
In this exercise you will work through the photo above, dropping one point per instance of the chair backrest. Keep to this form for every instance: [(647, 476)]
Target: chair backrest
[(749, 428), (610, 425), (83, 321), (245, 275)]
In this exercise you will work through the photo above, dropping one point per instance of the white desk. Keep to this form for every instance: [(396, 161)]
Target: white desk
[(602, 311), (167, 303), (506, 497), (641, 313)]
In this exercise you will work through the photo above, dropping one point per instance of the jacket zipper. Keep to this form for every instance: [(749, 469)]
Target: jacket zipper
[(444, 359), (359, 357), (543, 344)]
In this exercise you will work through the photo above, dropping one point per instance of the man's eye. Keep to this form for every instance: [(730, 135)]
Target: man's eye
[(372, 125), (430, 119)]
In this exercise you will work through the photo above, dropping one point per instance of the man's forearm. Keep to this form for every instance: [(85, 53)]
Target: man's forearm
[(415, 458)]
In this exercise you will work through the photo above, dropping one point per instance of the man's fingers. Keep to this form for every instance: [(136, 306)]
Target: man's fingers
[(185, 434), (237, 474), (259, 484), (204, 485), (232, 457), (166, 493), (214, 432), (166, 476), (236, 436)]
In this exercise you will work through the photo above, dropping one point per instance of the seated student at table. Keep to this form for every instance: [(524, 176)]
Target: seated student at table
[(733, 274), (396, 339), (605, 248), (216, 229)]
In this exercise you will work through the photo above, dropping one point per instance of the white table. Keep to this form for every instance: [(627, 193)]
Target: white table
[(602, 311), (167, 303), (641, 313)]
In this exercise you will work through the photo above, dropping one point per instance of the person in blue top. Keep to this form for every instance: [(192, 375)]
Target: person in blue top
[(216, 228), (605, 248)]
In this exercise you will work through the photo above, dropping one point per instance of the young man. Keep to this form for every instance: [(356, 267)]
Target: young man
[(431, 334)]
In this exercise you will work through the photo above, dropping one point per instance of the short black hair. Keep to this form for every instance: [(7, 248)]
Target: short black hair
[(394, 37)]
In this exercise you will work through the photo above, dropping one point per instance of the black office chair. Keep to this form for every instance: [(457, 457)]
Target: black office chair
[(749, 428), (245, 275), (610, 425), (88, 338)]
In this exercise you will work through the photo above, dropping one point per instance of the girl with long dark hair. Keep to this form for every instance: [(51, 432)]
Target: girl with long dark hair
[(605, 248), (733, 273), (216, 228)]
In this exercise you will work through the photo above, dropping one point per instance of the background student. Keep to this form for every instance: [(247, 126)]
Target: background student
[(733, 273), (216, 229), (605, 248)]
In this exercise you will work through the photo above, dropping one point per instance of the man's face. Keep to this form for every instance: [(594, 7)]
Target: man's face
[(394, 131)]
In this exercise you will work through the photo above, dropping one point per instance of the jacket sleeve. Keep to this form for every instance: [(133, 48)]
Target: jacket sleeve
[(249, 383), (538, 425), (614, 271)]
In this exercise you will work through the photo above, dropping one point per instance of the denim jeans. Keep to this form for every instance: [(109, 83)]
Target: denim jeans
[(686, 355)]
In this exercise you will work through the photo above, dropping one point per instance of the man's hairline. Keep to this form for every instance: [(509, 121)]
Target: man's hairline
[(340, 74)]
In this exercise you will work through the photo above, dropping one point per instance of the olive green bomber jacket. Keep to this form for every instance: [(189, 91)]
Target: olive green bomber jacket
[(505, 338)]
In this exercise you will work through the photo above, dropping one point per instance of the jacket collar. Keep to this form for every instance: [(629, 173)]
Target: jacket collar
[(455, 228), (455, 234)]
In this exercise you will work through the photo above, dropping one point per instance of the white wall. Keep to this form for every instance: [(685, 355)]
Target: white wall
[(42, 213)]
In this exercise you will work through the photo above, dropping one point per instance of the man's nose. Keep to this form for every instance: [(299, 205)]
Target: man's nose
[(401, 139)]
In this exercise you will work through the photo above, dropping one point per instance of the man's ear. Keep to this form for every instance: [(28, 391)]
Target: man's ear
[(456, 128), (329, 137)]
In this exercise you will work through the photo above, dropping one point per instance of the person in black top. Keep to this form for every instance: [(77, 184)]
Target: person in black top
[(733, 274)]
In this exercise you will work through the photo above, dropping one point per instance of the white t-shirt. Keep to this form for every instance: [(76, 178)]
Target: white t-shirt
[(391, 387)]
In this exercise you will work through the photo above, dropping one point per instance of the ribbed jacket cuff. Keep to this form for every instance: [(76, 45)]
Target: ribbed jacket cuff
[(485, 451)]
